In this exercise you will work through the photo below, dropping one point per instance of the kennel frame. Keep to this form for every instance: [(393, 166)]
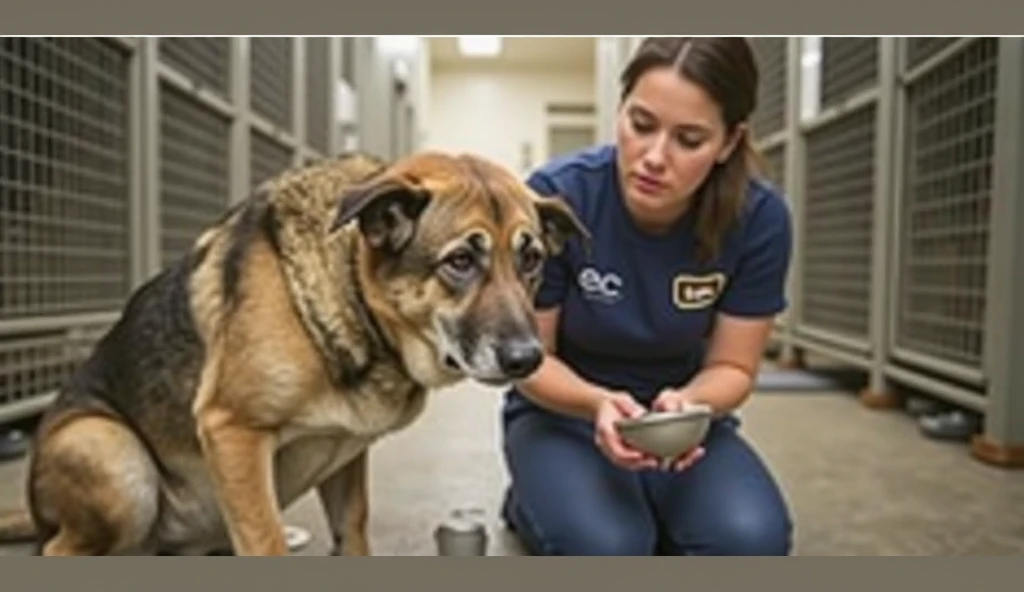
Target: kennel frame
[(152, 72), (992, 385)]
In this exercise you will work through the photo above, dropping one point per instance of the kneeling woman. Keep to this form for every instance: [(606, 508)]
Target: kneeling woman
[(674, 304)]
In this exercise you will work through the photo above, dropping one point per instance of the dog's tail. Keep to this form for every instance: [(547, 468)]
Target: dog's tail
[(17, 526)]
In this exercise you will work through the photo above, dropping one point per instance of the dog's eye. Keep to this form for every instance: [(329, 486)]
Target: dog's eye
[(531, 260), (460, 261)]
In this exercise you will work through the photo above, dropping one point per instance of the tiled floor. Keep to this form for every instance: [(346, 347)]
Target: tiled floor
[(860, 482)]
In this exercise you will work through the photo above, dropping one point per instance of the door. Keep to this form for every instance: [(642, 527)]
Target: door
[(563, 138)]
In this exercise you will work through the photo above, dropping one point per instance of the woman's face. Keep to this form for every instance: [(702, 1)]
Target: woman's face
[(670, 134)]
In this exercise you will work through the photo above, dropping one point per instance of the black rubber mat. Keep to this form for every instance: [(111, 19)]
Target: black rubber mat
[(791, 381)]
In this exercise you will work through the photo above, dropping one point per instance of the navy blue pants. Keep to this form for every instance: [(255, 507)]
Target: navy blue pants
[(567, 498)]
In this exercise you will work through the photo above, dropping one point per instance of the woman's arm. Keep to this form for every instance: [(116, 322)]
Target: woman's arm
[(730, 368), (754, 296), (554, 385)]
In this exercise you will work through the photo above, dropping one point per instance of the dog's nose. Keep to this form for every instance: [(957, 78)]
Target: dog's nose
[(518, 358)]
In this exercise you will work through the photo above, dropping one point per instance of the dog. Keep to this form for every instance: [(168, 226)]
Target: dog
[(310, 321)]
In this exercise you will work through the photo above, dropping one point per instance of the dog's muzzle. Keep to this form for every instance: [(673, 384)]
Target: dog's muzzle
[(518, 358)]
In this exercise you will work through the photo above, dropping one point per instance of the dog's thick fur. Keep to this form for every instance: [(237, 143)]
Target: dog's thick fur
[(310, 321)]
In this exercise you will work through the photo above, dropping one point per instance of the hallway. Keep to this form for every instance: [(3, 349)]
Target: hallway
[(860, 482)]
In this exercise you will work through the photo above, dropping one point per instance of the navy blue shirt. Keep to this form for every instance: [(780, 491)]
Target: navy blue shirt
[(636, 313)]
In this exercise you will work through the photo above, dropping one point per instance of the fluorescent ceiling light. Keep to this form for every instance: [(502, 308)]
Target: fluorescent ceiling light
[(480, 45), (399, 43)]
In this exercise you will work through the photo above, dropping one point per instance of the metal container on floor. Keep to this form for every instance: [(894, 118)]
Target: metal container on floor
[(463, 534)]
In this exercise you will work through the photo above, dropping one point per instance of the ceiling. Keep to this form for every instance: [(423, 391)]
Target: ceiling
[(549, 52)]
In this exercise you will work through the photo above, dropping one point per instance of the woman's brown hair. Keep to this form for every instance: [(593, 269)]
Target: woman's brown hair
[(726, 69)]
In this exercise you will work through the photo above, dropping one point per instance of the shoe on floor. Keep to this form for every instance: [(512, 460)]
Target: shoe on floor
[(951, 425)]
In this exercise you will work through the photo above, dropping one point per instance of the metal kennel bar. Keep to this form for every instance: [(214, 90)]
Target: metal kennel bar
[(828, 115), (886, 138), (184, 85), (239, 179), (792, 178), (148, 85), (1004, 323), (951, 393), (833, 352), (139, 206), (773, 151), (924, 54), (298, 88), (285, 139), (35, 324), (204, 61), (778, 61)]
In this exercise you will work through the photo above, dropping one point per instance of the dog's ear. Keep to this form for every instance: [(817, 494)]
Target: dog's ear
[(560, 224), (386, 209)]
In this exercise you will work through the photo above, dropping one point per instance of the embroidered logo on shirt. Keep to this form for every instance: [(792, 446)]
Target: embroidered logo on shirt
[(691, 291), (605, 287)]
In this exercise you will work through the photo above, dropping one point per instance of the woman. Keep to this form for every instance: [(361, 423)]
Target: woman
[(672, 305)]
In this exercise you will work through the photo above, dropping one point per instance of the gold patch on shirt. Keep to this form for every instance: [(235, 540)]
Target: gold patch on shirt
[(691, 292)]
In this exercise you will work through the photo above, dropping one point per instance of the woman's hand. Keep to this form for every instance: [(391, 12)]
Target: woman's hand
[(610, 410), (677, 400)]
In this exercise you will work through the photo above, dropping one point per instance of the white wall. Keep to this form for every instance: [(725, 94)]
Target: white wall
[(421, 96), (380, 63), (494, 112), (612, 54)]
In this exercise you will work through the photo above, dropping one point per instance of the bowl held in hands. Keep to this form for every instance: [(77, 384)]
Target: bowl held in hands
[(667, 434)]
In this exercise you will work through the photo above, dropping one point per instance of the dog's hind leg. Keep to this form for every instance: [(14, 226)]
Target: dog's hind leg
[(345, 499), (94, 487)]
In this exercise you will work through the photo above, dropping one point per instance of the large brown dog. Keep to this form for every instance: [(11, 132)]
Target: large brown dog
[(307, 323)]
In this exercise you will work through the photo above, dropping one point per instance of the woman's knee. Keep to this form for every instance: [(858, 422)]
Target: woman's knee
[(752, 535), (609, 542), (730, 503), (590, 539), (581, 530), (565, 498)]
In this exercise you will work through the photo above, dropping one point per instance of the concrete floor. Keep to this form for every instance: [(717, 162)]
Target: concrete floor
[(860, 482)]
